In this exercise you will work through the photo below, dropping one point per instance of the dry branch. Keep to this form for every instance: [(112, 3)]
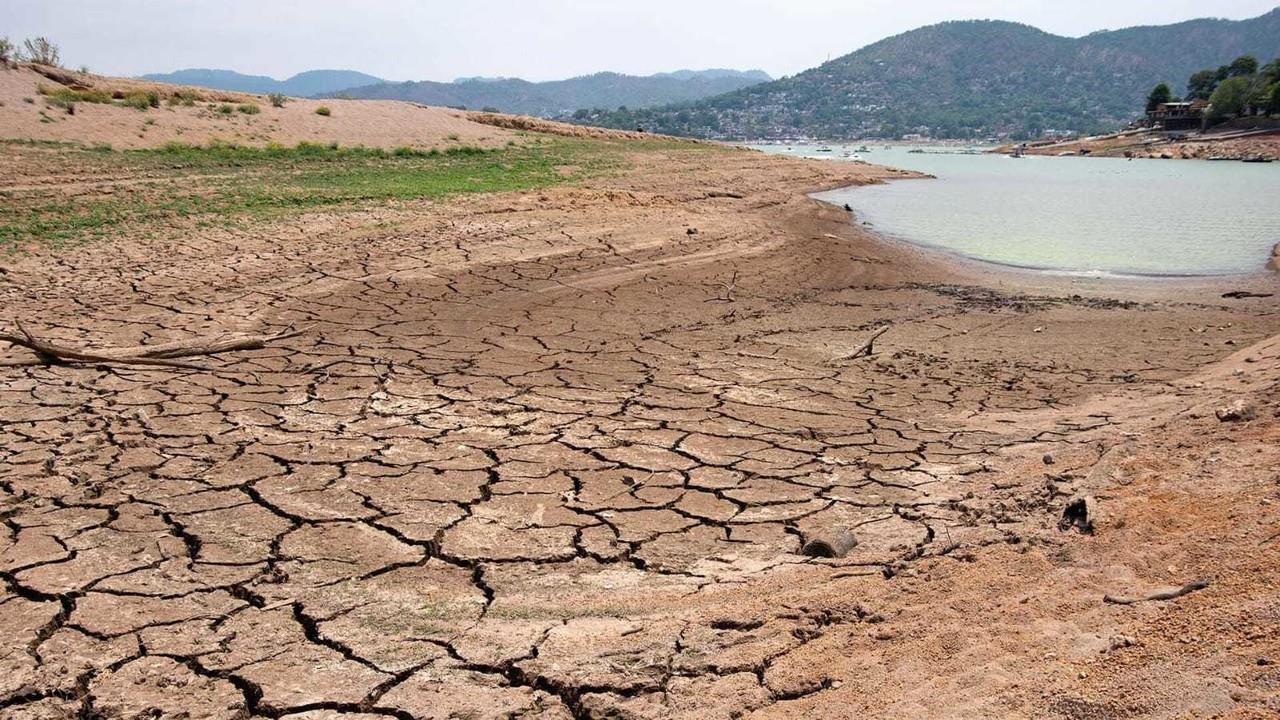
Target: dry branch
[(160, 355), (1160, 596), (867, 348), (727, 289)]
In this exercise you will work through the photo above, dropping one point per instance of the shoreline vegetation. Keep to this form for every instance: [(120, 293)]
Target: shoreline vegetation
[(224, 183)]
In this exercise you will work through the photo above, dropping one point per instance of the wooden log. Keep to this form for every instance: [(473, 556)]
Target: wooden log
[(829, 544)]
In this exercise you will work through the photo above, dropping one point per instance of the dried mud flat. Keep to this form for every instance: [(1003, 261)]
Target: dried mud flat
[(554, 454)]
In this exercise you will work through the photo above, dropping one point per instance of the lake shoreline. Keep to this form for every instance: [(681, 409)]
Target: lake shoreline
[(960, 260), (1164, 222)]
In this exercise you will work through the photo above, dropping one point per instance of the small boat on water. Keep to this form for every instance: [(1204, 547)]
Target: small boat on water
[(824, 149), (1256, 159), (863, 149)]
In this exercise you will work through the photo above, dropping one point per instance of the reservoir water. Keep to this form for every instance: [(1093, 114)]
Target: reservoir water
[(1072, 214)]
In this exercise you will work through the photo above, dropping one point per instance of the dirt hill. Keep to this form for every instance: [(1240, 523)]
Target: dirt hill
[(90, 109)]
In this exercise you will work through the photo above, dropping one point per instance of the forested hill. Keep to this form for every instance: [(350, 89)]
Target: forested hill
[(304, 84), (968, 79), (549, 99)]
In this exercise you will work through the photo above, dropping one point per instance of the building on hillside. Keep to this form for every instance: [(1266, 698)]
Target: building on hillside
[(1178, 115)]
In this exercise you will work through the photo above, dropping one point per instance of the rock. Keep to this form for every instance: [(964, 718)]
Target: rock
[(1048, 459), (1275, 258), (1081, 514), (884, 634), (1238, 411), (1118, 642), (691, 231)]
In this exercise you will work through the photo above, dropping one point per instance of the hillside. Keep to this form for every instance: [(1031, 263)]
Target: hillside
[(562, 97), (55, 106), (968, 79), (304, 84)]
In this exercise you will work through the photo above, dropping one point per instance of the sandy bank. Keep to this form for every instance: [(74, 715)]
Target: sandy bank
[(26, 114)]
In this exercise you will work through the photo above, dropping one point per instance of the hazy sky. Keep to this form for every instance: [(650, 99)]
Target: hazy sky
[(535, 39)]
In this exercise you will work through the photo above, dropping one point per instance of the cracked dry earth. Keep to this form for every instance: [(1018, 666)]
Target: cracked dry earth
[(531, 461)]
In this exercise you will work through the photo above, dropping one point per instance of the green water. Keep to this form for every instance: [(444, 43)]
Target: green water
[(1071, 214)]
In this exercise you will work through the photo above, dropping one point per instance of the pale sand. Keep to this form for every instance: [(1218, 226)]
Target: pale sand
[(373, 123)]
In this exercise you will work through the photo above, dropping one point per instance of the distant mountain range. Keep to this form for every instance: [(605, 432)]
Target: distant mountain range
[(549, 99), (512, 95), (967, 79), (305, 84)]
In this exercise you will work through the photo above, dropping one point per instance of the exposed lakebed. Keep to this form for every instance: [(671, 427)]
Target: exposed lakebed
[(1079, 215)]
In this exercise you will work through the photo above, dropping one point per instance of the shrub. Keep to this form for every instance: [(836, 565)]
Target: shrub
[(226, 109), (42, 52), (249, 109), (277, 100), (183, 97), (61, 96), (324, 110), (7, 51), (139, 100)]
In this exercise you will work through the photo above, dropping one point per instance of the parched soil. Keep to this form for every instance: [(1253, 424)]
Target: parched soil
[(555, 454)]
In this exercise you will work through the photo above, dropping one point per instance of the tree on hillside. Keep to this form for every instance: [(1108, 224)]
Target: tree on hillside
[(1243, 66), (42, 52), (1230, 98), (1259, 93), (1272, 104), (6, 51), (1202, 84), (1160, 95)]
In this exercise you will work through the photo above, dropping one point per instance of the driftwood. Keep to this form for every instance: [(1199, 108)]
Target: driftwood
[(1160, 596), (867, 348), (160, 355)]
